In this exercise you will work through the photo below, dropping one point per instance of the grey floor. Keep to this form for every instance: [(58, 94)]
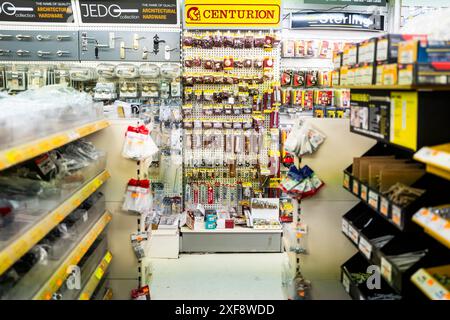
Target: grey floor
[(240, 276)]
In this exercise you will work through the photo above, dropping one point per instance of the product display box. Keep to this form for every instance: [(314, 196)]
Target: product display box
[(365, 74), (367, 51), (337, 60), (388, 46), (422, 51), (437, 73), (370, 115), (350, 55)]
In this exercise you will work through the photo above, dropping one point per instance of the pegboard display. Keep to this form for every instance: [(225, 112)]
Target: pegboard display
[(230, 114)]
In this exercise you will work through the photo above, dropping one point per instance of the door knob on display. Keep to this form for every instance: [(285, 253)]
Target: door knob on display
[(43, 53), (122, 50), (99, 46), (156, 43), (21, 37), (144, 53), (136, 39), (61, 53), (40, 37), (2, 52), (22, 52), (61, 38), (112, 40), (3, 36)]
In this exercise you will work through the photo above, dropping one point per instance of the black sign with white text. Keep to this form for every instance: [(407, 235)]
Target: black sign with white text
[(349, 2), (36, 11), (333, 20), (129, 11)]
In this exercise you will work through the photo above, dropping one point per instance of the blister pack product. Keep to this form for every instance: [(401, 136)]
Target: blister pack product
[(138, 144), (291, 180), (304, 139), (138, 197)]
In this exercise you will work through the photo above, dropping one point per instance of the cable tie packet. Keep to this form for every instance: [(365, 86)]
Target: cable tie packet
[(138, 240)]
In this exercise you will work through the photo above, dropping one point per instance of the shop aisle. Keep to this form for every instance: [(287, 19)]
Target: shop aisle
[(252, 276)]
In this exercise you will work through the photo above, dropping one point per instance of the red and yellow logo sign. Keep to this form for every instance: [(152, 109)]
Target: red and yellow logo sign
[(232, 13)]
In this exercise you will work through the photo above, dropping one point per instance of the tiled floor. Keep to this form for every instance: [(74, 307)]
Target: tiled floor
[(253, 276), (218, 277)]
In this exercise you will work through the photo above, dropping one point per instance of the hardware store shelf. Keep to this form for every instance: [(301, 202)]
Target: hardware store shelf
[(45, 279), (436, 226), (15, 248), (436, 158), (96, 277), (17, 154), (396, 87), (424, 279), (58, 277)]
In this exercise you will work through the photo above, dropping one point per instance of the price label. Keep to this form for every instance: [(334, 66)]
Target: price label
[(346, 282), (396, 215), (373, 199), (353, 234), (346, 181), (345, 226), (365, 247), (364, 192), (356, 187), (99, 273), (384, 206), (108, 257), (386, 269)]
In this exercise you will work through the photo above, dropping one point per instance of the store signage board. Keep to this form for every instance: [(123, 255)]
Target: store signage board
[(336, 20), (380, 3), (262, 14), (160, 12), (36, 11)]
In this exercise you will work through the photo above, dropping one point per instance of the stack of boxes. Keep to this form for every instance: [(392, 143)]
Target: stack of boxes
[(199, 219), (393, 59)]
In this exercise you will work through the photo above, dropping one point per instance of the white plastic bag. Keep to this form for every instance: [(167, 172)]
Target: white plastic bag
[(138, 144), (138, 197)]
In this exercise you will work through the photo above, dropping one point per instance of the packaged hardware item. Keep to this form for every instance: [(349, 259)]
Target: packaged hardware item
[(138, 144), (138, 240), (423, 51), (142, 293), (388, 46), (138, 196), (436, 73), (304, 139)]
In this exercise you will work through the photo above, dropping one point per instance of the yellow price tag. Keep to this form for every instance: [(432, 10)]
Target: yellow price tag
[(99, 273), (108, 257)]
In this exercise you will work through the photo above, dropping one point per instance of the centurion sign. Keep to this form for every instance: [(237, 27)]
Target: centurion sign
[(232, 13)]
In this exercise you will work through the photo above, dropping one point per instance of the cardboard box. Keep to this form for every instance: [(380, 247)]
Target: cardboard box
[(350, 55), (337, 60), (367, 51), (335, 78), (365, 74), (437, 73), (195, 222), (387, 46), (343, 76), (210, 225), (423, 51), (389, 76)]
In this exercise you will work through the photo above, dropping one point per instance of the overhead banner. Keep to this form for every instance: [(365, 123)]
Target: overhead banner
[(381, 3), (36, 11), (129, 11), (232, 13), (342, 20)]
